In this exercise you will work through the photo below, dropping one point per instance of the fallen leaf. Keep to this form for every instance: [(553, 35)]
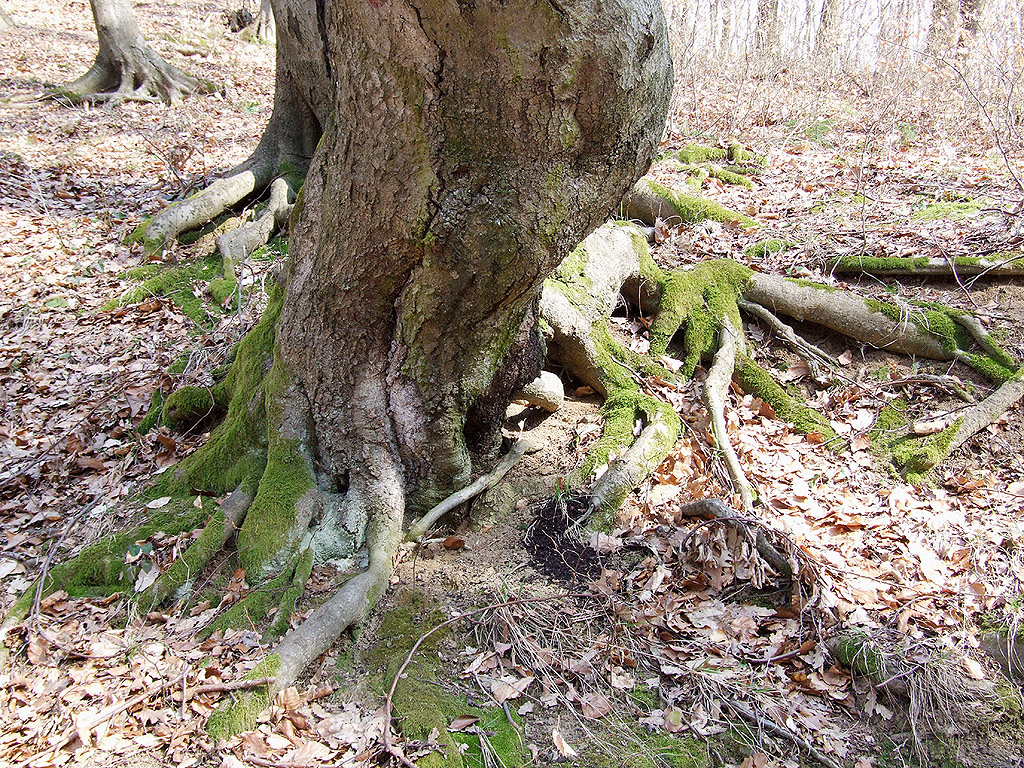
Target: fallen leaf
[(561, 745), (462, 722), (595, 705)]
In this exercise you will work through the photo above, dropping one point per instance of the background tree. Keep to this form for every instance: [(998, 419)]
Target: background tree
[(767, 21), (126, 66), (827, 25)]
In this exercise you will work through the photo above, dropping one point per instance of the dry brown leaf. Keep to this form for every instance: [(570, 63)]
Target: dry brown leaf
[(563, 747), (462, 722), (595, 705)]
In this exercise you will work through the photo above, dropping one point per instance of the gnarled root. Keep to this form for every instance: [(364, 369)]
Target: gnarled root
[(240, 183), (702, 306), (236, 246), (134, 72)]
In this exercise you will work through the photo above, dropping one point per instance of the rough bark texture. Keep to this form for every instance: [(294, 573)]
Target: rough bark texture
[(508, 133), (127, 66)]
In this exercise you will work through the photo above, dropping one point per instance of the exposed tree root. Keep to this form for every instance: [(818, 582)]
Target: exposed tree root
[(716, 387), (699, 308), (481, 484), (240, 183), (917, 457), (126, 67), (997, 265), (649, 201), (238, 244)]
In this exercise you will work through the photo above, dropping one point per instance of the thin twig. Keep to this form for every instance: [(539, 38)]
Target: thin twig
[(778, 730)]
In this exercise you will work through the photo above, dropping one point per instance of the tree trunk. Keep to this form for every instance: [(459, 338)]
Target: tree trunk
[(766, 30), (942, 31), (266, 25), (126, 66), (471, 148), (825, 37)]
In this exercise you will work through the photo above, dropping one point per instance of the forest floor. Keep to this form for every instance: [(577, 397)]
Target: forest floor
[(700, 633)]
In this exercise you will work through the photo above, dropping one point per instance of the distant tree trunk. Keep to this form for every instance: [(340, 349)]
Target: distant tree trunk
[(970, 19), (126, 66), (266, 26), (726, 30), (767, 26), (825, 37), (942, 32)]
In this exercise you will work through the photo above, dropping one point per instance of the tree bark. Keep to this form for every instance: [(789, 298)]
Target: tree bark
[(766, 30), (943, 29), (471, 148), (825, 37), (126, 66)]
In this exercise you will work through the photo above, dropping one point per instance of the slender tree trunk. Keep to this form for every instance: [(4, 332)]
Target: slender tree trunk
[(826, 35), (766, 31), (266, 25), (126, 66)]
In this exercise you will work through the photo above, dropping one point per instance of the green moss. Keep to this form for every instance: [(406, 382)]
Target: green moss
[(178, 365), (420, 704), (698, 298), (185, 568), (239, 713), (187, 406), (811, 284), (292, 595), (756, 380), (100, 568), (269, 526), (235, 454), (855, 651), (154, 415), (916, 457), (255, 606), (765, 248), (954, 210), (890, 425), (222, 288), (691, 208), (174, 283), (554, 216), (880, 264), (940, 322), (697, 153), (730, 177), (650, 749)]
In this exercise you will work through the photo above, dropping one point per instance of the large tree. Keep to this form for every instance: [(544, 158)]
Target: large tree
[(453, 153), (126, 66), (448, 157)]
